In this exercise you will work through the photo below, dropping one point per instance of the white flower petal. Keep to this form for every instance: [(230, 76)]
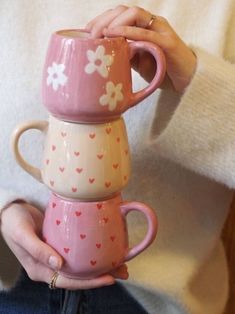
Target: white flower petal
[(60, 68), (112, 103), (54, 66), (110, 88), (100, 51), (62, 79), (118, 87), (104, 100), (91, 56), (90, 68), (119, 96), (108, 60), (50, 70), (55, 84), (102, 70)]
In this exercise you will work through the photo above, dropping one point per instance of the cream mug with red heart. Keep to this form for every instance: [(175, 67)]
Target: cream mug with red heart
[(92, 237), (89, 80), (81, 161)]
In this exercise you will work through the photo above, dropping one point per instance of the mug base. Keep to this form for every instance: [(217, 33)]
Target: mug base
[(92, 119), (80, 277)]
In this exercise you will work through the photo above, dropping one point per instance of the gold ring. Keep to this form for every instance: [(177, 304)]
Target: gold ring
[(52, 284), (153, 18)]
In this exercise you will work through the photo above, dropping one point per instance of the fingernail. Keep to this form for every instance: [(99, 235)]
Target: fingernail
[(54, 262)]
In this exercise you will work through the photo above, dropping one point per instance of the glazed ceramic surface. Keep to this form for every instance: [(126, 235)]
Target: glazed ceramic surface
[(92, 237), (89, 80), (81, 161)]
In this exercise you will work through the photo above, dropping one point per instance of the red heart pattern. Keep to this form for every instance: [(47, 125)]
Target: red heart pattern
[(79, 170), (92, 135), (99, 205), (108, 130), (98, 244)]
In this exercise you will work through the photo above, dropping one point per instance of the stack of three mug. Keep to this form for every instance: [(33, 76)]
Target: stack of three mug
[(86, 160)]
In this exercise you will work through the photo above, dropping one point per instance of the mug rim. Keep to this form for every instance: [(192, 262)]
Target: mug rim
[(85, 35)]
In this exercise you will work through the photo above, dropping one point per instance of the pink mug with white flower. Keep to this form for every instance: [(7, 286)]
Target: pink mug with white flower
[(89, 80)]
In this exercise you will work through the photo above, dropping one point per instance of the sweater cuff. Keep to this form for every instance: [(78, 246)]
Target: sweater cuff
[(201, 132), (7, 197)]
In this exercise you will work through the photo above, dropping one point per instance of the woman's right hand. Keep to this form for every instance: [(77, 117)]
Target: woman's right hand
[(20, 226)]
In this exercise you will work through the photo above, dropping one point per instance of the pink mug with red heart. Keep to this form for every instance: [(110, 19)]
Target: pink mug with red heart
[(89, 80), (92, 237)]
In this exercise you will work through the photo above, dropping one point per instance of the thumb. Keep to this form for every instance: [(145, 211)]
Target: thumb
[(39, 250)]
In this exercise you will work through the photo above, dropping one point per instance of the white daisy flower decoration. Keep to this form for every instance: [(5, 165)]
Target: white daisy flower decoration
[(112, 96), (98, 61), (56, 75)]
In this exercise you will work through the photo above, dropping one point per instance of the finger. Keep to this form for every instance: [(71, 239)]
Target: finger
[(138, 34), (120, 272), (99, 17), (40, 272), (133, 16), (74, 284), (96, 25), (40, 251)]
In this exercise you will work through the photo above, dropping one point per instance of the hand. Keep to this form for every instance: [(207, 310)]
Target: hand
[(21, 227), (132, 23)]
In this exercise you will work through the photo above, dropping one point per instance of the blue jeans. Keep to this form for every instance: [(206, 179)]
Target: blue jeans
[(29, 297)]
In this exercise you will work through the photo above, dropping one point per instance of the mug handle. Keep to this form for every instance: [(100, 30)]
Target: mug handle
[(19, 130), (152, 220), (159, 57)]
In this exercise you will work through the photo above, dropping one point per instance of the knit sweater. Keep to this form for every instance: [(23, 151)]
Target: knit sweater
[(182, 146)]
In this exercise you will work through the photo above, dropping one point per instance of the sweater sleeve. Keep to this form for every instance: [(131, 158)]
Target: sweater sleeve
[(7, 197), (8, 262), (200, 134)]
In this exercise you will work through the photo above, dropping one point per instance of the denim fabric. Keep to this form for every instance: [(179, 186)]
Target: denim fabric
[(29, 297)]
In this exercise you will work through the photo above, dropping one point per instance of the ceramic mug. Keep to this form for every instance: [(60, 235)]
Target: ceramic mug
[(89, 80), (92, 237), (82, 161)]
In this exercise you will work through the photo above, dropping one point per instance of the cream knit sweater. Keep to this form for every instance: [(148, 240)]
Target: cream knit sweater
[(182, 146)]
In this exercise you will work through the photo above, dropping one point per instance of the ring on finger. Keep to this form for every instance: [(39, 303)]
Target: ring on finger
[(152, 19), (54, 277)]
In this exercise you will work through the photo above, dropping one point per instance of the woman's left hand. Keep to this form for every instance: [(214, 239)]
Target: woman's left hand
[(134, 24)]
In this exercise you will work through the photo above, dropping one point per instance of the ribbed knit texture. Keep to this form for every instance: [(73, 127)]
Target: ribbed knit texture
[(182, 146)]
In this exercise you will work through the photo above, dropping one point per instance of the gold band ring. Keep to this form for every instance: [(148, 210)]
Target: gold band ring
[(153, 18), (52, 284)]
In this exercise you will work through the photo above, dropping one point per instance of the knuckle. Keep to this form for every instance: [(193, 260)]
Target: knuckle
[(136, 11), (163, 19), (172, 42), (30, 270), (18, 236), (38, 254), (121, 7)]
